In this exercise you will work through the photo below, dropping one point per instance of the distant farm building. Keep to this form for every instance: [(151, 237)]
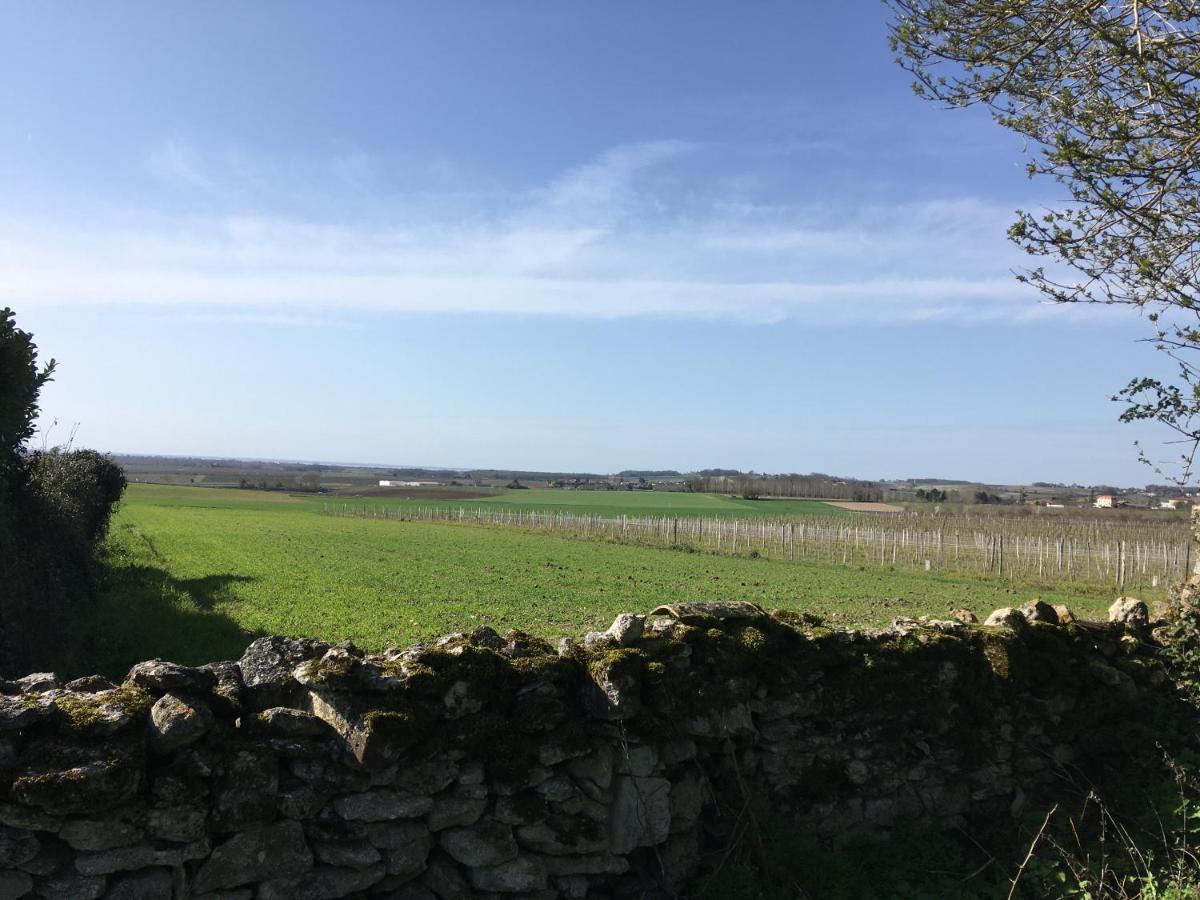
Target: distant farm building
[(1106, 501), (407, 483), (1175, 503)]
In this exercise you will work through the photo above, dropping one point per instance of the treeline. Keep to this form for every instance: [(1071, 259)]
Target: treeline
[(752, 487), (307, 483), (54, 512)]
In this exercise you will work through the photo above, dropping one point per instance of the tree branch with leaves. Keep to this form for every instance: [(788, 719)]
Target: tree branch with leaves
[(1108, 96)]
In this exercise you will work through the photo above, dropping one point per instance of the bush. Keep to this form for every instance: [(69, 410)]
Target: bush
[(54, 512), (52, 525), (81, 487)]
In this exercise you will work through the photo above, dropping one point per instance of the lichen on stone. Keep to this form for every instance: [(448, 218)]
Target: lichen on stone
[(103, 712)]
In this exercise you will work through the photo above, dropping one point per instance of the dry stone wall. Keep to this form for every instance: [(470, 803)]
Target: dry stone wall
[(484, 765)]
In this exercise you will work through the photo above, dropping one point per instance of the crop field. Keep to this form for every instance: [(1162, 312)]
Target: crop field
[(616, 503), (198, 572)]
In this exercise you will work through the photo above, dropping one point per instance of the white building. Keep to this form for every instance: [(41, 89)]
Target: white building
[(407, 483)]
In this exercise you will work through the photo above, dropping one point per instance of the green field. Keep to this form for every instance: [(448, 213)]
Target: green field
[(198, 572), (618, 503)]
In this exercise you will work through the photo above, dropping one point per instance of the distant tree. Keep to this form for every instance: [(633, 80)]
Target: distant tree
[(1107, 96)]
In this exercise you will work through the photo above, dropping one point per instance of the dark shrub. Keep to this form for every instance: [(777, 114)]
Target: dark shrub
[(81, 487), (54, 512)]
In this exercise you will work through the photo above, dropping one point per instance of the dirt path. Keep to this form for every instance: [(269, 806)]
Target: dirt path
[(863, 506)]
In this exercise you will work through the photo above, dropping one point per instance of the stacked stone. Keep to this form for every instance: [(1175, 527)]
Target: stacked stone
[(484, 765)]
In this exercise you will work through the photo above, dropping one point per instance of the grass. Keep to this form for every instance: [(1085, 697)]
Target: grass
[(196, 573), (631, 503)]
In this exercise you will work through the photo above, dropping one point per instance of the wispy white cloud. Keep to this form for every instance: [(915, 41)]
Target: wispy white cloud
[(177, 162), (596, 242)]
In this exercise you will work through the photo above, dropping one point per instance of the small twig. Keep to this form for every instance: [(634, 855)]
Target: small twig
[(1028, 856), (756, 844)]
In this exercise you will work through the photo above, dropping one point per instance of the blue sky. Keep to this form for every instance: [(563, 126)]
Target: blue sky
[(535, 235)]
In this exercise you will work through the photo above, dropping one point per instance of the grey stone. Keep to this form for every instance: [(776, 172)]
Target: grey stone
[(104, 712), (626, 630), (552, 752), (408, 859), (376, 738), (160, 677), (396, 835), (17, 847), (1039, 611), (28, 819), (302, 802), (428, 777), (472, 773), (89, 684), (520, 809), (337, 669), (459, 701), (1005, 617), (37, 681), (22, 710), (445, 880), (267, 666), (596, 767), (247, 790), (14, 885), (70, 886), (683, 749), (330, 777), (408, 891), (701, 612), (322, 883), (637, 759), (599, 864), (486, 843), (687, 800), (283, 721), (615, 685), (91, 834), (1130, 613), (53, 856), (556, 788), (150, 884), (564, 836), (227, 689), (175, 723), (349, 854), (257, 854), (641, 813), (458, 807), (138, 856), (526, 873), (486, 636), (381, 805), (63, 778), (176, 823)]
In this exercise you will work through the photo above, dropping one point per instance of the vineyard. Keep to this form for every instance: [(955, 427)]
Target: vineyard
[(1129, 555)]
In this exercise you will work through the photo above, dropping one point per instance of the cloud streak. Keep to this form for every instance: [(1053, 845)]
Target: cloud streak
[(597, 242)]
